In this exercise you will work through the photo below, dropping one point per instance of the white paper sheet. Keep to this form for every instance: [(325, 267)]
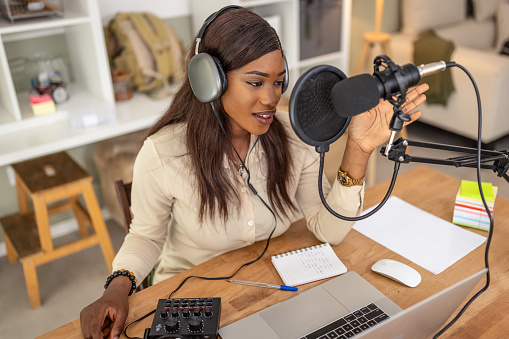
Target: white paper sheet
[(425, 239)]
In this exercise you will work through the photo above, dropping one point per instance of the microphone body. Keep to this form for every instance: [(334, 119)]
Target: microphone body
[(357, 94), (432, 68)]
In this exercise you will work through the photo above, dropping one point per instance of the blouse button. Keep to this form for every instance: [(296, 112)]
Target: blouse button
[(244, 189), (250, 223)]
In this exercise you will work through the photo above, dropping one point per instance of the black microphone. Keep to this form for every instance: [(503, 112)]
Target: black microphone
[(360, 93)]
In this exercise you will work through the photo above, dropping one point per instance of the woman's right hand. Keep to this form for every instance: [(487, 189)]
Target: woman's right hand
[(106, 316)]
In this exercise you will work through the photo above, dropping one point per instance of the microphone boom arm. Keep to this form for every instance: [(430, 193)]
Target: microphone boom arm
[(499, 159)]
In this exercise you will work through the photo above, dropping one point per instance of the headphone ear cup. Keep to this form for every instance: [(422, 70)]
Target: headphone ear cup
[(206, 76), (222, 76), (287, 76)]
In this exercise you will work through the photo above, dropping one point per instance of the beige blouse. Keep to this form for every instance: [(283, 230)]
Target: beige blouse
[(165, 205)]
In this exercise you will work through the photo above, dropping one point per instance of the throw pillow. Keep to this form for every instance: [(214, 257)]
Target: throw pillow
[(429, 47), (419, 16), (485, 9), (502, 24)]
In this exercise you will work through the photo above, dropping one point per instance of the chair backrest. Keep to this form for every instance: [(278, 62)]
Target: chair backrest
[(124, 198)]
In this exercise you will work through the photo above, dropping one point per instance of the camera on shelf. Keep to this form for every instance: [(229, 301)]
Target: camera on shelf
[(52, 83)]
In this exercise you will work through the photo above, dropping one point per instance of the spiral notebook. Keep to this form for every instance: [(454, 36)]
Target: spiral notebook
[(308, 264)]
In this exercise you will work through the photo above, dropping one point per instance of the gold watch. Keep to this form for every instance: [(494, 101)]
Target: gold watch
[(345, 180)]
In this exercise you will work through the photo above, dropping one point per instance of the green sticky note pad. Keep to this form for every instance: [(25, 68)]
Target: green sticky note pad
[(471, 189)]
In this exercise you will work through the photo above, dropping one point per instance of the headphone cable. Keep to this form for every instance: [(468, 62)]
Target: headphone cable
[(243, 265)]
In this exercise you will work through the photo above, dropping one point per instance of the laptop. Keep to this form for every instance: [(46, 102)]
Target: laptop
[(347, 306)]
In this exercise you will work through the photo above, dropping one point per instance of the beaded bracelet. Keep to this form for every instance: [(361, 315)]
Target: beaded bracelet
[(125, 273)]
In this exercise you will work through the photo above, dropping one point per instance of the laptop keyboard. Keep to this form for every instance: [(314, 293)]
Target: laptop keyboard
[(351, 324)]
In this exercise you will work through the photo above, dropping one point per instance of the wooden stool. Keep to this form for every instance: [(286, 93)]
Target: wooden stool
[(370, 40), (55, 178)]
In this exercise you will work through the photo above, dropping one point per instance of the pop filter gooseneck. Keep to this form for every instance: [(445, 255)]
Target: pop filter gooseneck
[(315, 121)]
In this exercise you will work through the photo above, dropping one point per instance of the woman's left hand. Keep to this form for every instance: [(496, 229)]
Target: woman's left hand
[(371, 129)]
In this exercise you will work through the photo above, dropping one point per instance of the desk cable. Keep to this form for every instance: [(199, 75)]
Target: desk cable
[(243, 265), (391, 186), (479, 183)]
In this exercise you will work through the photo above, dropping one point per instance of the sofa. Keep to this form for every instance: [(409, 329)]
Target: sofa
[(477, 30)]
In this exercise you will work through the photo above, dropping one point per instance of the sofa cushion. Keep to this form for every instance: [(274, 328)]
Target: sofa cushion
[(470, 33), (502, 24), (419, 16), (484, 9)]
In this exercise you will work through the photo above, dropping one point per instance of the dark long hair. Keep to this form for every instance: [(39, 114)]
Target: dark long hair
[(236, 38)]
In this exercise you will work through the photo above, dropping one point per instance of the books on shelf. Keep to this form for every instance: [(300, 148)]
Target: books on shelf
[(469, 209), (308, 264)]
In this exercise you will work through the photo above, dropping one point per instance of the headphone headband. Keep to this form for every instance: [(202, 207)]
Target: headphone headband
[(206, 76), (208, 21)]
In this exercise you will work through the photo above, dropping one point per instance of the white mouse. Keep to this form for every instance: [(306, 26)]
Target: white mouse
[(397, 271)]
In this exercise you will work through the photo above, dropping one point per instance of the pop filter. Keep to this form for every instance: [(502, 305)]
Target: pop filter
[(312, 113), (315, 122)]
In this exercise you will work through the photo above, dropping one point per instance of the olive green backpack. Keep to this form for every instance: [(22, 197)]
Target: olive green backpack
[(146, 47)]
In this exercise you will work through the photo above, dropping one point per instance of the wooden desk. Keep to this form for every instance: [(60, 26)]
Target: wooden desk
[(430, 190)]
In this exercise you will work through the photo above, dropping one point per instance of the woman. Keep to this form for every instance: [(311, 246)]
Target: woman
[(192, 197)]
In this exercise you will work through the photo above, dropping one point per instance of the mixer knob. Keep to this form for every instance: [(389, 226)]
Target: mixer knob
[(195, 324), (171, 325), (208, 312), (185, 312), (175, 313), (164, 314)]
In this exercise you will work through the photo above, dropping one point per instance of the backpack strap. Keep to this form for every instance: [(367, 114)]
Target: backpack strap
[(177, 51), (153, 32), (133, 55)]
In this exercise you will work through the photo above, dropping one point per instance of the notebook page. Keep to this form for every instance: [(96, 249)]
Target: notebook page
[(308, 264)]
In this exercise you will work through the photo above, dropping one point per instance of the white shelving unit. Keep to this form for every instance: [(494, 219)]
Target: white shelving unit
[(23, 135), (86, 50), (288, 11)]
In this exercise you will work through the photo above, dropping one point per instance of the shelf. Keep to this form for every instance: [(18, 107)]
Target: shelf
[(254, 3), (5, 117), (80, 97), (23, 135), (43, 137), (32, 35), (42, 23)]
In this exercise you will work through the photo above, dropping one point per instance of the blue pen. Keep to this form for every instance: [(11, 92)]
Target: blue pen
[(251, 283)]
